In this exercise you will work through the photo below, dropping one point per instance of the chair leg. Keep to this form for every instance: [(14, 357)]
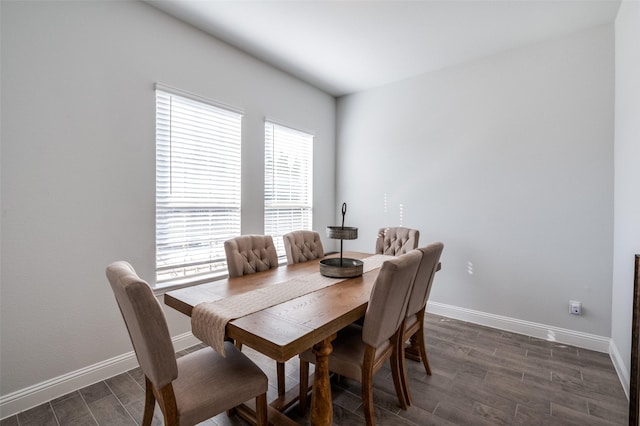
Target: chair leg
[(399, 372), (421, 343), (404, 380), (167, 400), (367, 386), (261, 410), (304, 387), (367, 400), (149, 402), (281, 382), (423, 353)]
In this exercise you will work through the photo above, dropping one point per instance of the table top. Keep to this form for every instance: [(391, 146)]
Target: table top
[(287, 329)]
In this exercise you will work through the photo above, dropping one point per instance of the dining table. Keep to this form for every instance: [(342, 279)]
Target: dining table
[(288, 328)]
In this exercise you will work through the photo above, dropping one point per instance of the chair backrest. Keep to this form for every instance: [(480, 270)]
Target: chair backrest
[(396, 241), (389, 296), (302, 246), (248, 254), (145, 322), (424, 277)]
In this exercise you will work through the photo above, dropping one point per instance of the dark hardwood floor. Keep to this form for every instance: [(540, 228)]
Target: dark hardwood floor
[(481, 376)]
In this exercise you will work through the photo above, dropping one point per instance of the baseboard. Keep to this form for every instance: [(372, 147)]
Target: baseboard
[(514, 325), (40, 393), (618, 364)]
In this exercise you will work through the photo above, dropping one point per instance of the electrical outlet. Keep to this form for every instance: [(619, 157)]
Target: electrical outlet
[(575, 307)]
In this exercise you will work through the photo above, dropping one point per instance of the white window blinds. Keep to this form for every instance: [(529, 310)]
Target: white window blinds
[(197, 186), (288, 182)]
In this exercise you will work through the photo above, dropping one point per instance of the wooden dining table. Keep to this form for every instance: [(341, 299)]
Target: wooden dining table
[(287, 329)]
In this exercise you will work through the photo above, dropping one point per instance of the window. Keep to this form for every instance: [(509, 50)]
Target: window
[(288, 197), (197, 186)]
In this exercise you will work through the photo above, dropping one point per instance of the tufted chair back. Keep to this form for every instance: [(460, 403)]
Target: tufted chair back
[(248, 254), (396, 241), (302, 246)]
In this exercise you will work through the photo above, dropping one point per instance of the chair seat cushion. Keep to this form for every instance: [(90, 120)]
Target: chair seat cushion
[(209, 384), (348, 353)]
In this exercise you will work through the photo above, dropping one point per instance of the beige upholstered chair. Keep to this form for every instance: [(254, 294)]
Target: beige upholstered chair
[(396, 241), (360, 351), (194, 387), (302, 246), (414, 323), (248, 254)]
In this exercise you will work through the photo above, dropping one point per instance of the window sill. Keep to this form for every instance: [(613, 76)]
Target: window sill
[(161, 289)]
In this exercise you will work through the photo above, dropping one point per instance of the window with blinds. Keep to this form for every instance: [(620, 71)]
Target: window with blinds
[(197, 186), (288, 197)]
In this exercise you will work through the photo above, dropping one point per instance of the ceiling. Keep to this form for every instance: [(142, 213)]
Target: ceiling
[(344, 47)]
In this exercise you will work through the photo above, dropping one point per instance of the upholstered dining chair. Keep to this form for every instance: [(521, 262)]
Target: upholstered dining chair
[(397, 240), (302, 246), (248, 254), (414, 323), (194, 387), (360, 351)]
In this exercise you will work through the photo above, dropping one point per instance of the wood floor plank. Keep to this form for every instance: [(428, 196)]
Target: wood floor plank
[(493, 415), (9, 421), (71, 409), (95, 392), (460, 416), (125, 388), (109, 411), (526, 416), (41, 415), (574, 416), (613, 411)]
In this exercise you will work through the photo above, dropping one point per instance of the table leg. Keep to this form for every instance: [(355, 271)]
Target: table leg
[(280, 379), (321, 404)]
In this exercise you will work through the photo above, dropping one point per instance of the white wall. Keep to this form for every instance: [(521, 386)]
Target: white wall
[(627, 180), (509, 161), (78, 165)]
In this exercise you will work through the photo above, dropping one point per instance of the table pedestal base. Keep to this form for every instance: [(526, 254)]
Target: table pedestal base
[(321, 404), (412, 351)]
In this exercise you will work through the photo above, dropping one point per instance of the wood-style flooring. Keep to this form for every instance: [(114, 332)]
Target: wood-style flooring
[(481, 376)]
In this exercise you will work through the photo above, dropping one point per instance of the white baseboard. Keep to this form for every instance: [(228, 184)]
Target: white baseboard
[(40, 393), (621, 369), (514, 325)]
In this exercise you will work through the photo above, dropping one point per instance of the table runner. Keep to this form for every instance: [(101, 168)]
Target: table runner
[(209, 319)]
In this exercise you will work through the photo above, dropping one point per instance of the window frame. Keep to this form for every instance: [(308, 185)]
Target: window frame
[(208, 173), (296, 202)]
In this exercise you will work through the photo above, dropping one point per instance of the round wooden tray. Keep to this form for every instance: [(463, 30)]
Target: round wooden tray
[(335, 268)]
